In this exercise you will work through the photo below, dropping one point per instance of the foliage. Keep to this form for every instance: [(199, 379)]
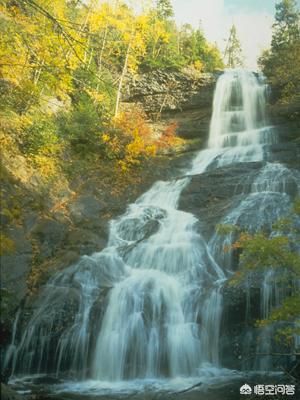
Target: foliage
[(225, 229), (277, 251), (164, 9), (63, 67), (82, 127), (281, 64), (136, 141), (168, 137), (197, 51), (7, 245), (233, 51), (10, 207), (289, 310), (40, 134), (286, 28), (36, 48), (172, 48)]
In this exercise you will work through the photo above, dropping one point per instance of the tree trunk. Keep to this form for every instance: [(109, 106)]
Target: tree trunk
[(122, 78), (102, 49)]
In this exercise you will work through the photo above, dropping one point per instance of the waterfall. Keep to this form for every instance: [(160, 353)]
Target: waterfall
[(238, 131), (238, 112), (159, 280), (264, 203)]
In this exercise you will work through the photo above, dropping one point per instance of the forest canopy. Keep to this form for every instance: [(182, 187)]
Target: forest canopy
[(63, 65), (281, 63)]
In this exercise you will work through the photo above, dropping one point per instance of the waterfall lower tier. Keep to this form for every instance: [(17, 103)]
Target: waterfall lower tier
[(150, 305), (145, 331)]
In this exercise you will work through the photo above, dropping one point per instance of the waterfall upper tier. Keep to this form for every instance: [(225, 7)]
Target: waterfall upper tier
[(239, 130), (239, 111)]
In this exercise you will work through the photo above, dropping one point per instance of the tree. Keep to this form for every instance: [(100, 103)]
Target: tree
[(164, 9), (286, 29), (192, 43), (281, 64), (64, 65), (233, 52)]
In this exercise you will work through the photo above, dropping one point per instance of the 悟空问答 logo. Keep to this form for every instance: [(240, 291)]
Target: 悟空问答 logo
[(245, 389)]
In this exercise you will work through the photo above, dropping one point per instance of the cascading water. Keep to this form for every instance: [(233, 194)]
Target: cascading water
[(238, 112), (160, 279), (238, 130), (266, 201)]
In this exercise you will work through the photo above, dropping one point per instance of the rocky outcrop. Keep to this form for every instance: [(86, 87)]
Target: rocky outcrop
[(285, 152), (181, 97), (285, 116), (210, 196), (161, 91), (9, 394)]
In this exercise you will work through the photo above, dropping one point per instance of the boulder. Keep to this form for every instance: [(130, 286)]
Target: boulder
[(8, 393), (210, 196), (84, 241), (16, 264), (85, 207), (50, 235)]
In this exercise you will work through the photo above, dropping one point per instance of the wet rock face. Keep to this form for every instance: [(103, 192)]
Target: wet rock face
[(286, 117), (175, 97), (241, 310), (144, 227), (17, 265), (286, 153), (9, 394), (209, 196), (84, 208)]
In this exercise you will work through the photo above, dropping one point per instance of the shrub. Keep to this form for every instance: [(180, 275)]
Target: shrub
[(168, 137), (82, 127), (133, 140), (40, 135), (7, 245)]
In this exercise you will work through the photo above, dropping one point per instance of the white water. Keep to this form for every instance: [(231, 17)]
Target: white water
[(164, 302), (266, 202), (239, 131), (238, 111)]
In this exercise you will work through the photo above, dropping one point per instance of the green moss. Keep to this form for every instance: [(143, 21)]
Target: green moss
[(7, 245)]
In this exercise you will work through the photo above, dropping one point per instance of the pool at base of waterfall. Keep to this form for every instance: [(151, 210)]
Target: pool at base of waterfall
[(212, 384)]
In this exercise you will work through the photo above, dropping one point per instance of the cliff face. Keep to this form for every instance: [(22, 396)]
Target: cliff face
[(169, 97), (284, 114)]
